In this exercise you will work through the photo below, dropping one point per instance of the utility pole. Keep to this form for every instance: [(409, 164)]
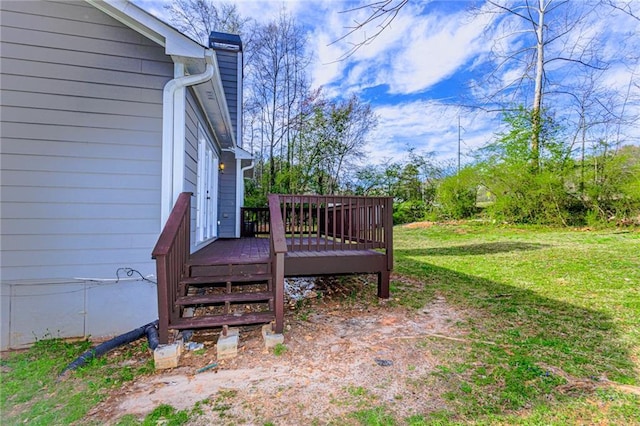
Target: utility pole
[(458, 143)]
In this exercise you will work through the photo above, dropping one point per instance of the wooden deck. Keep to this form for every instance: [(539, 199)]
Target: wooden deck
[(241, 281), (297, 263)]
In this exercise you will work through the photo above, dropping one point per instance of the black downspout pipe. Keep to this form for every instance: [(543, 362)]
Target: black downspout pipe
[(150, 330)]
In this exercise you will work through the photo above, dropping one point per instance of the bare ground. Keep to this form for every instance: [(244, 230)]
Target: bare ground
[(345, 352)]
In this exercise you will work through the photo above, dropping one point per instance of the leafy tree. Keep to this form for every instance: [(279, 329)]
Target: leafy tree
[(612, 187), (524, 194), (332, 138), (456, 195)]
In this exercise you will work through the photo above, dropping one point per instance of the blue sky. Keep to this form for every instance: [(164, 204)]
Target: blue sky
[(419, 69)]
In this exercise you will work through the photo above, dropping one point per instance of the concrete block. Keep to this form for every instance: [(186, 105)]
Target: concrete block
[(271, 339), (227, 346), (167, 356)]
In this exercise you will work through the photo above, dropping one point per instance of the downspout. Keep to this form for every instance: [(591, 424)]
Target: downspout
[(240, 192), (239, 187), (172, 148)]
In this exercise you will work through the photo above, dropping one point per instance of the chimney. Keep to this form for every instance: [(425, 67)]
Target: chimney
[(228, 48)]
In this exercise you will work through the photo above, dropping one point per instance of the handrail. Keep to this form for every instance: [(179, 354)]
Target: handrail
[(171, 253), (170, 230), (278, 244)]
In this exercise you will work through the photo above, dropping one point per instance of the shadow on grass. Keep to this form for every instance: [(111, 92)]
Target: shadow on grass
[(479, 249), (539, 349)]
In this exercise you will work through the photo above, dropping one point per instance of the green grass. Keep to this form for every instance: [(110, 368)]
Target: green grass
[(279, 349), (552, 319), (549, 319), (32, 393)]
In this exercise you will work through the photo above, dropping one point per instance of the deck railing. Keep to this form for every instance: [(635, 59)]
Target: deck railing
[(278, 245), (171, 253), (254, 221), (326, 222), (319, 223)]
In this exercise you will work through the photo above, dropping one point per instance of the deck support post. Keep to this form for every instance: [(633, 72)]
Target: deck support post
[(383, 284)]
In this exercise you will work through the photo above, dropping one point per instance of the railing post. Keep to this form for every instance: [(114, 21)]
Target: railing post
[(163, 302), (385, 275), (279, 292), (388, 232)]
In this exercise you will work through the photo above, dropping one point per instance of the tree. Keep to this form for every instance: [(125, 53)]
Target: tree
[(276, 86), (542, 45), (332, 138), (197, 18), (380, 14), (537, 35)]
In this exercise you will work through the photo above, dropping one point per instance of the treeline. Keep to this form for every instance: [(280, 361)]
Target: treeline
[(568, 187)]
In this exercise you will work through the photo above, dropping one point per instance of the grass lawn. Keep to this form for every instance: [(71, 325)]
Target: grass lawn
[(31, 391), (553, 325), (549, 334)]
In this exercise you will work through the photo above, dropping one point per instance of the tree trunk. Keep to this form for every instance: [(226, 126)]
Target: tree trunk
[(536, 111)]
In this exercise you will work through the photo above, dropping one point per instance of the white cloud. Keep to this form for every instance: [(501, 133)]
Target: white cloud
[(419, 50), (428, 127)]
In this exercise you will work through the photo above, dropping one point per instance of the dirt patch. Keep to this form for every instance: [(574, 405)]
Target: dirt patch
[(430, 224), (344, 352)]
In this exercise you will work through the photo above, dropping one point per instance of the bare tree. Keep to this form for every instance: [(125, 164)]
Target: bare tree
[(626, 7), (276, 85), (547, 41), (197, 18), (380, 16)]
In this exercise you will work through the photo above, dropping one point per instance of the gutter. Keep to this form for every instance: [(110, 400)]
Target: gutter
[(240, 193), (173, 125)]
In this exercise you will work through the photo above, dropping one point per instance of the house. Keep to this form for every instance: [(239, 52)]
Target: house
[(108, 114)]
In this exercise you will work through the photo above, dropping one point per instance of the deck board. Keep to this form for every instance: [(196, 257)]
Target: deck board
[(299, 262), (237, 250)]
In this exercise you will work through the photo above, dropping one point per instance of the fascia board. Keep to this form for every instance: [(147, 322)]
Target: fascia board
[(174, 42)]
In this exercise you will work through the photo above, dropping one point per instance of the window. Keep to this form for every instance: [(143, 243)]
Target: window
[(207, 189)]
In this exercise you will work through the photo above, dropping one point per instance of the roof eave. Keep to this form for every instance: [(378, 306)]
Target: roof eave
[(174, 42), (181, 49)]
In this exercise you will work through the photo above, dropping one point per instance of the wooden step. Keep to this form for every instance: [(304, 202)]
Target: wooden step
[(237, 260), (252, 268), (210, 321), (217, 279), (238, 297)]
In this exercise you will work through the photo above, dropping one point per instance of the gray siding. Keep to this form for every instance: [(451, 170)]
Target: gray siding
[(228, 65), (227, 197), (226, 180), (191, 157), (81, 163)]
